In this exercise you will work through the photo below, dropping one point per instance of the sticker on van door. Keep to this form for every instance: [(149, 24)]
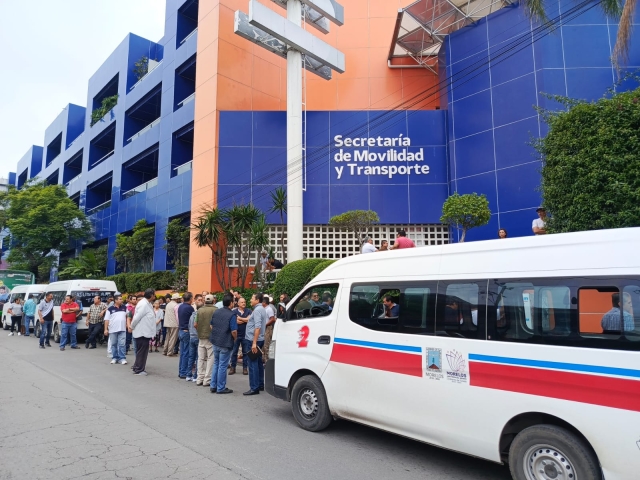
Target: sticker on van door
[(457, 372), (434, 364), (303, 337)]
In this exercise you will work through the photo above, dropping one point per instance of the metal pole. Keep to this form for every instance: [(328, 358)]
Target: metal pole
[(294, 142)]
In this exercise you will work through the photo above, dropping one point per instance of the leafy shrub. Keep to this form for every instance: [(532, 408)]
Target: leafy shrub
[(320, 267), (295, 275), (139, 282)]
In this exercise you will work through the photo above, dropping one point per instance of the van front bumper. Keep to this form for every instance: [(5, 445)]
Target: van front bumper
[(270, 382)]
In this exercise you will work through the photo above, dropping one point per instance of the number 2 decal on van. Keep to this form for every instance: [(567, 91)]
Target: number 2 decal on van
[(303, 340)]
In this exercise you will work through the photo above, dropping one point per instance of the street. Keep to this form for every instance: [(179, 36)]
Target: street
[(71, 414)]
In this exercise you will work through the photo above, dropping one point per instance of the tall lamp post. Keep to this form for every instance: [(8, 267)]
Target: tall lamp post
[(287, 38)]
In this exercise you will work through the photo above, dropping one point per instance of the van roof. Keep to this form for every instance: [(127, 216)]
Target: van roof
[(82, 283), (35, 287), (605, 252)]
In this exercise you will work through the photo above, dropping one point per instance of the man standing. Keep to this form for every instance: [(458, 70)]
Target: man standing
[(254, 340), (115, 325), (143, 327), (268, 332), (368, 246), (45, 314), (205, 347), (192, 376), (184, 314), (94, 321), (69, 310), (224, 329), (402, 241), (131, 310), (29, 309), (539, 225), (171, 324)]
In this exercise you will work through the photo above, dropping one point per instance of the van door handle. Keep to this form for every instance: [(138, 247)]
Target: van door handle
[(324, 340)]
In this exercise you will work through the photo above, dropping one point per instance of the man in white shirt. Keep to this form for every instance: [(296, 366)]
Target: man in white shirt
[(368, 246), (540, 224), (115, 325), (143, 327)]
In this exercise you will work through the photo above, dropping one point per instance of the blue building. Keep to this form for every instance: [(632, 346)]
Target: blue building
[(174, 143)]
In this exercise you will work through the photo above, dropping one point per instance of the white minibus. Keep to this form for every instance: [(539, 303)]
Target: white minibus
[(84, 291), (524, 351), (23, 292)]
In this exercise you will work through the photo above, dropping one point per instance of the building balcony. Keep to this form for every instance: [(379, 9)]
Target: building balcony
[(182, 168), (140, 188), (102, 206)]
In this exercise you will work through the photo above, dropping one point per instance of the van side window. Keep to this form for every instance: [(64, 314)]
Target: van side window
[(509, 314), (607, 313), (318, 301), (401, 308), (461, 309)]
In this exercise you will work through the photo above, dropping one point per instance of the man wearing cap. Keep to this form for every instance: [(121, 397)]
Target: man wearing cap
[(171, 324), (368, 246), (539, 225), (205, 347)]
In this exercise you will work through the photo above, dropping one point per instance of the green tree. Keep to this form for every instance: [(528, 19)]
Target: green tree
[(209, 230), (279, 205), (620, 11), (134, 252), (466, 211), (357, 222), (43, 221), (177, 238), (91, 263), (591, 164)]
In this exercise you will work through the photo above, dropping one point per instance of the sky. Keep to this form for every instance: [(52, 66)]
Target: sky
[(50, 50)]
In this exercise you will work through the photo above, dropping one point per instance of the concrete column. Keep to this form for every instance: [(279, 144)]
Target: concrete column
[(294, 142)]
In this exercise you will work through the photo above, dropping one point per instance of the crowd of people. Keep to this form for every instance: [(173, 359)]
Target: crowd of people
[(208, 335)]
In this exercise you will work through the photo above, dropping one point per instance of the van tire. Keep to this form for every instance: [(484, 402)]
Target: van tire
[(309, 404), (36, 329), (558, 448), (56, 333), (4, 324)]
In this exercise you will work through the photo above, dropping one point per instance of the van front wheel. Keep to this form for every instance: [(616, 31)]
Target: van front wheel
[(309, 404), (543, 452), (56, 333)]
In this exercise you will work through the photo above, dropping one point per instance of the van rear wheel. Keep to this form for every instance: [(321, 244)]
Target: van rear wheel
[(56, 333), (309, 404), (546, 452), (36, 329)]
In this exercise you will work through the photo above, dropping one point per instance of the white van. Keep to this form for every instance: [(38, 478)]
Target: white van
[(84, 291), (524, 351), (23, 292)]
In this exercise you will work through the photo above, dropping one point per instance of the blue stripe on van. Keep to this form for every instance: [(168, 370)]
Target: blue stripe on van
[(576, 367), (386, 346)]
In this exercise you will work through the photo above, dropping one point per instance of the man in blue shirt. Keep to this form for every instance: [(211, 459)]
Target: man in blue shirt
[(184, 315), (29, 310), (391, 309), (224, 329), (254, 340), (611, 320)]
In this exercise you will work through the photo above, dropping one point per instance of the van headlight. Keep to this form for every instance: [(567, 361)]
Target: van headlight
[(272, 349)]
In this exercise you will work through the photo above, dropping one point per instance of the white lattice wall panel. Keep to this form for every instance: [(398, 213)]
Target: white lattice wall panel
[(323, 241)]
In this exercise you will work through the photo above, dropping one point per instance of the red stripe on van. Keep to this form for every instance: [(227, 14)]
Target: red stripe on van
[(577, 387), (396, 362)]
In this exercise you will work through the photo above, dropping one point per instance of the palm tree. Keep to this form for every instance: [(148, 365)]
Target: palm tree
[(209, 231), (614, 9), (279, 205), (240, 220)]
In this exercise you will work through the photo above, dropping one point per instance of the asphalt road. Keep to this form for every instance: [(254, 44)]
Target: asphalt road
[(66, 415)]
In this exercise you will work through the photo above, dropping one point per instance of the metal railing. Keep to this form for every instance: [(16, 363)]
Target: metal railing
[(195, 30), (187, 100), (156, 65), (73, 180), (103, 158), (140, 188), (146, 129), (102, 206), (185, 167)]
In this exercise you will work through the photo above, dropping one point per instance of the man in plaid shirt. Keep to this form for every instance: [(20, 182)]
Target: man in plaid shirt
[(94, 321)]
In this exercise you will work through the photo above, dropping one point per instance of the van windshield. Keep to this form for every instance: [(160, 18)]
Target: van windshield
[(84, 298)]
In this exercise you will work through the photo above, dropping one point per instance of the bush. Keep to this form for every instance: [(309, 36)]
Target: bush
[(139, 282), (320, 267), (295, 275)]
